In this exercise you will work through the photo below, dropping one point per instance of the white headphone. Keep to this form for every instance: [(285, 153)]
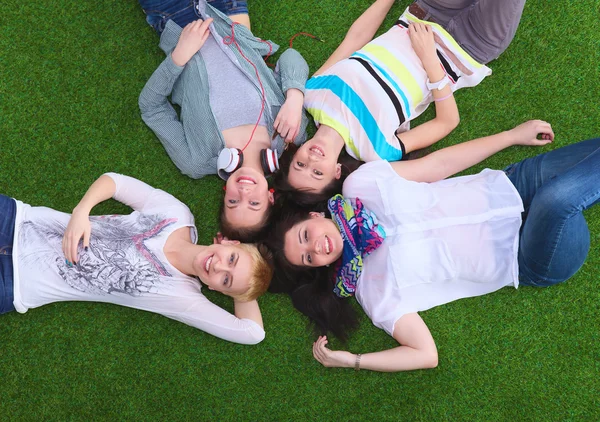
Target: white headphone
[(231, 159)]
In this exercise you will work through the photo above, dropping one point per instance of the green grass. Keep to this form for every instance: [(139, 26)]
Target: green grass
[(70, 75)]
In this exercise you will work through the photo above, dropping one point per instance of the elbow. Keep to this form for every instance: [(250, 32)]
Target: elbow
[(454, 122), (257, 337), (431, 359), (451, 122)]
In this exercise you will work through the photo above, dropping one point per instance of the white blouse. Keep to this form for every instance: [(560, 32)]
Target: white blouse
[(446, 240)]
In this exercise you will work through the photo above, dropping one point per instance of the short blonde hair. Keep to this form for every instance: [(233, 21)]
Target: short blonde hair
[(262, 271)]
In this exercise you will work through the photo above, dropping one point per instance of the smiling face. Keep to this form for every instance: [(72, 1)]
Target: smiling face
[(314, 166), (315, 242), (226, 268), (247, 198)]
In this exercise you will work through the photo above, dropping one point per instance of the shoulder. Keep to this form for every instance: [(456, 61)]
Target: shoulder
[(369, 173)]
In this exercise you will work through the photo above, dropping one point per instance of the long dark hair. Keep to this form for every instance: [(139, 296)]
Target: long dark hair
[(311, 289), (306, 199)]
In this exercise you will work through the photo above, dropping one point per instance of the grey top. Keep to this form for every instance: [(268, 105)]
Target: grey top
[(233, 97), (193, 139)]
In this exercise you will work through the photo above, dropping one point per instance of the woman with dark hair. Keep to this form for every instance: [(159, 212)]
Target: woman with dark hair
[(147, 260), (366, 94), (236, 114), (404, 240)]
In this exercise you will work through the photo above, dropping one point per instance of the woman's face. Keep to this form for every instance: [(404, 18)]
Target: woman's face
[(315, 242), (314, 166), (224, 267), (247, 198)]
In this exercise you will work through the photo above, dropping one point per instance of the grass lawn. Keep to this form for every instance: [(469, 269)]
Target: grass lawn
[(70, 75)]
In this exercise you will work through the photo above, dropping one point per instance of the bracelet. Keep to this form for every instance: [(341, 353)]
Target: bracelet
[(357, 362), (437, 100)]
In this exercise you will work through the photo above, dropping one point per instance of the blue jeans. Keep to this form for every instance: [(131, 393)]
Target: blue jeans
[(182, 12), (556, 187), (8, 212)]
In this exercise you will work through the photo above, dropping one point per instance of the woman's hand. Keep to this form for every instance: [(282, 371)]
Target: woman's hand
[(527, 133), (219, 238), (79, 227), (192, 38), (288, 120), (332, 358), (422, 40)]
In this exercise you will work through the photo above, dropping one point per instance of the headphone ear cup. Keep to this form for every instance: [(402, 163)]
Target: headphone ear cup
[(269, 161), (229, 160)]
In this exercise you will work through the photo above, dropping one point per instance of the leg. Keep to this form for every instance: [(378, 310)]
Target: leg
[(554, 237), (487, 27), (8, 212), (158, 12), (441, 11), (237, 11), (530, 174)]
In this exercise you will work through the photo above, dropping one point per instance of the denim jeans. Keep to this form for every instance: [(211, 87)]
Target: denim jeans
[(8, 212), (182, 12), (556, 187)]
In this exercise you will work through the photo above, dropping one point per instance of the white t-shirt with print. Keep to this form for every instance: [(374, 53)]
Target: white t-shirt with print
[(125, 263)]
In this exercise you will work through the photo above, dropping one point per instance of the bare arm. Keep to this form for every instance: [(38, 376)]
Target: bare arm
[(360, 33), (451, 160), (79, 225), (417, 350), (446, 111), (248, 310)]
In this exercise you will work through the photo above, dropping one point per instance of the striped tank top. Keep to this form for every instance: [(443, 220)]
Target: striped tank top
[(375, 93)]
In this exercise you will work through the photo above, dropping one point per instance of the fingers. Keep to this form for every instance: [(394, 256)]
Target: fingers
[(73, 244), (69, 246), (285, 131), (86, 238), (320, 352), (544, 130)]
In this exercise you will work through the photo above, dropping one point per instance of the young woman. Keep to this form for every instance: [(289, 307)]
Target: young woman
[(146, 260), (236, 113), (364, 100), (404, 240)]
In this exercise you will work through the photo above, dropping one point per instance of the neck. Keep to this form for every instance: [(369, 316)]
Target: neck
[(181, 254), (331, 136), (252, 153)]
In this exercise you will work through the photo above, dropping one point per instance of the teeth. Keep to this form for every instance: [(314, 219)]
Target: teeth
[(207, 265), (246, 181), (327, 245), (317, 151)]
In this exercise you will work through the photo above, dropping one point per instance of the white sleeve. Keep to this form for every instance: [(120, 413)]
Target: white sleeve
[(201, 313), (141, 196)]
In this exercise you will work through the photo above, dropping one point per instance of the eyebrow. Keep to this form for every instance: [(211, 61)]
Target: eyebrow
[(237, 258), (300, 240), (236, 205)]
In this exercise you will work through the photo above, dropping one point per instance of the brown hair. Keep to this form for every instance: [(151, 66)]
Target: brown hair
[(244, 234), (310, 198)]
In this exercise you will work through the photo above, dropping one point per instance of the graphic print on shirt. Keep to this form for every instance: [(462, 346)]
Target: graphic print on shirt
[(118, 259)]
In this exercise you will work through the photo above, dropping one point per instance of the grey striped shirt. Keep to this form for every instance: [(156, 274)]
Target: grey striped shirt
[(193, 139)]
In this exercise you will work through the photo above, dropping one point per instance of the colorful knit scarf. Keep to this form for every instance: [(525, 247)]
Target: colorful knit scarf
[(361, 235)]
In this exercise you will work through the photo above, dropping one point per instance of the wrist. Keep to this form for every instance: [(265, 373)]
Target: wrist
[(82, 208), (179, 58), (294, 94), (510, 138)]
